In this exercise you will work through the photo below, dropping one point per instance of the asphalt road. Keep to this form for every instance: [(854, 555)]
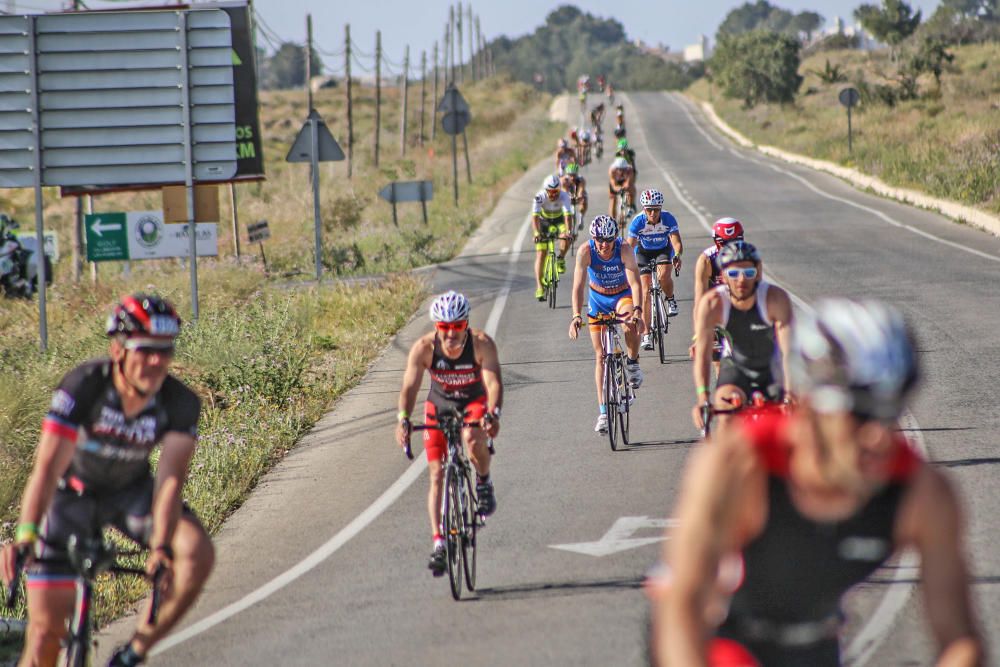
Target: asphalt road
[(326, 562)]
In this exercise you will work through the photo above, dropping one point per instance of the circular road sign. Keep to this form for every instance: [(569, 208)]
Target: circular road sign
[(849, 97)]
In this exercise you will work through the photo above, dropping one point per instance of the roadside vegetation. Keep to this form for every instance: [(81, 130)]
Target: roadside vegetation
[(928, 112), (272, 350)]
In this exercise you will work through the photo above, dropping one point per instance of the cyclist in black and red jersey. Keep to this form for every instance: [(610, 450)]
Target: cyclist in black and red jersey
[(706, 269), (806, 505), (465, 375), (92, 470)]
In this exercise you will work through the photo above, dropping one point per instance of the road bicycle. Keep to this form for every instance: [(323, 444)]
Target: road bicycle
[(460, 517), (624, 210), (88, 557), (758, 405), (550, 268), (618, 391), (659, 322)]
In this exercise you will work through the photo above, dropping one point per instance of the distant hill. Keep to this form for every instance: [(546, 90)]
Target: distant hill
[(572, 42)]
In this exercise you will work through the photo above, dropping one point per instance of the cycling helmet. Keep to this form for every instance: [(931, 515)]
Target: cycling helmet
[(572, 169), (450, 307), (551, 182), (562, 143), (144, 316), (619, 111), (651, 198), (572, 133), (619, 131), (603, 227), (855, 356), (585, 136), (727, 229), (737, 251), (620, 163)]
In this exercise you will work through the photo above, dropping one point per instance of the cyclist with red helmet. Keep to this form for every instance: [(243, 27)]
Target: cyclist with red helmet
[(809, 504), (92, 470), (465, 375), (754, 317), (706, 271)]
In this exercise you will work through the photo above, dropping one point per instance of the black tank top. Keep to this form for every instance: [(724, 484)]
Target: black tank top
[(798, 568), (455, 380), (750, 332)]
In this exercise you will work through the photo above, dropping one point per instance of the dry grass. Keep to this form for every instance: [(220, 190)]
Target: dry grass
[(946, 143)]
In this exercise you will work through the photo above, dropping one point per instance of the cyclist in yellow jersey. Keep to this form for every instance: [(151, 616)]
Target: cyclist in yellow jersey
[(551, 214)]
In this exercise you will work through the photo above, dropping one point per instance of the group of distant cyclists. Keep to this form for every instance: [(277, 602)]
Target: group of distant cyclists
[(783, 508)]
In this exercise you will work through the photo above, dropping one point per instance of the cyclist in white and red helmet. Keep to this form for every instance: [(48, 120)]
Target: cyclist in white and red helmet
[(465, 375), (706, 271)]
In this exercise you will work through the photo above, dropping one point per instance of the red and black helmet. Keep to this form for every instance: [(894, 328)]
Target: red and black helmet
[(727, 229), (144, 316)]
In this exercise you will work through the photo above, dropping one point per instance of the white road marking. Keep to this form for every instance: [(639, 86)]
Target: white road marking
[(701, 131), (874, 631), (360, 522), (619, 537)]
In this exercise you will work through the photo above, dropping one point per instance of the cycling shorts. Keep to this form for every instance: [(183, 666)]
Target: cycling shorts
[(551, 229), (603, 306), (435, 444), (129, 510), (647, 258), (749, 381)]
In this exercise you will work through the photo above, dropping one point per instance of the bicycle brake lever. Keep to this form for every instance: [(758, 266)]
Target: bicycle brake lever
[(408, 451)]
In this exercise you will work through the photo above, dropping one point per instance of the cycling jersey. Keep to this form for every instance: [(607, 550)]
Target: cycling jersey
[(712, 253), (552, 210), (607, 280), (790, 615), (653, 237), (753, 362), (113, 450), (455, 381)]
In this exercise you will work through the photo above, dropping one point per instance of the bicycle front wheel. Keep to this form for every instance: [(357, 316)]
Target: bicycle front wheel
[(471, 521), (625, 393), (660, 313), (611, 400), (452, 512)]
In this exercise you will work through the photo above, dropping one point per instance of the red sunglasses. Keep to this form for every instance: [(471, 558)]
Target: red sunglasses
[(461, 325)]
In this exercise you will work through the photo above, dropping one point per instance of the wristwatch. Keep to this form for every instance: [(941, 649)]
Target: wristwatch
[(496, 412)]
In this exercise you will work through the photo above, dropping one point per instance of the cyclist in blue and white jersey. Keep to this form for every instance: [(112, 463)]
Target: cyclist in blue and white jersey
[(608, 267), (654, 236)]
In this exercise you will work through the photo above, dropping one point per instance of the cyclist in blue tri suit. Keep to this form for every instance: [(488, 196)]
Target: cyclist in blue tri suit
[(656, 240), (609, 267)]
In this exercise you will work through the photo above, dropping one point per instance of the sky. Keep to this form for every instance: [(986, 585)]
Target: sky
[(418, 23)]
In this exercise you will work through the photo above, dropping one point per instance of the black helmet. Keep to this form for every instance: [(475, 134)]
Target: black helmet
[(144, 316), (737, 251)]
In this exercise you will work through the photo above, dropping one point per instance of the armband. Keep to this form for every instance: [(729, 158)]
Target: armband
[(402, 415), (702, 390), (26, 532)]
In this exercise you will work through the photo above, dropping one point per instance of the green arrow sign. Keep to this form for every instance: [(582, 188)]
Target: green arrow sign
[(107, 237)]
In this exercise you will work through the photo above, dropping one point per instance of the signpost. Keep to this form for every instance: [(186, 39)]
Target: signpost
[(849, 97), (315, 144), (404, 191), (456, 117), (258, 232), (124, 95)]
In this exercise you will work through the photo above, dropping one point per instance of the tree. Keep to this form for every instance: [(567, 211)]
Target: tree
[(891, 23), (752, 16), (759, 66), (807, 22), (988, 10), (287, 67)]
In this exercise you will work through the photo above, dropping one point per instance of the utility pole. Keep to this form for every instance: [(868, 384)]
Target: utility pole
[(309, 59), (423, 93), (405, 85), (472, 49), (461, 59), (451, 44), (378, 88), (434, 98), (350, 106), (479, 52)]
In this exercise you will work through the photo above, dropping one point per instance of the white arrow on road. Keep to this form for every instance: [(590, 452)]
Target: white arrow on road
[(619, 537), (99, 229)]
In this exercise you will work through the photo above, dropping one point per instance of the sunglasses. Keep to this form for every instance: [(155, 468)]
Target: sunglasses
[(461, 325), (147, 350), (601, 239), (749, 273), (651, 210)]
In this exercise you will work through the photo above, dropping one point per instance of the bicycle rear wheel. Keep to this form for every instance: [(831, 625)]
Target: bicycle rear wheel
[(551, 276), (452, 511), (611, 400), (76, 653), (471, 520), (660, 313)]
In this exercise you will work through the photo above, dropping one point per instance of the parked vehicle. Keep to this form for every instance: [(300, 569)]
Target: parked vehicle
[(18, 268)]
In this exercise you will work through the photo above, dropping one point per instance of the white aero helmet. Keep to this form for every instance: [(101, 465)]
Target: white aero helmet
[(854, 356), (551, 182), (449, 307), (603, 227), (620, 163)]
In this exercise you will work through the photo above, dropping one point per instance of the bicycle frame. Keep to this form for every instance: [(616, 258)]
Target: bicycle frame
[(618, 392)]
